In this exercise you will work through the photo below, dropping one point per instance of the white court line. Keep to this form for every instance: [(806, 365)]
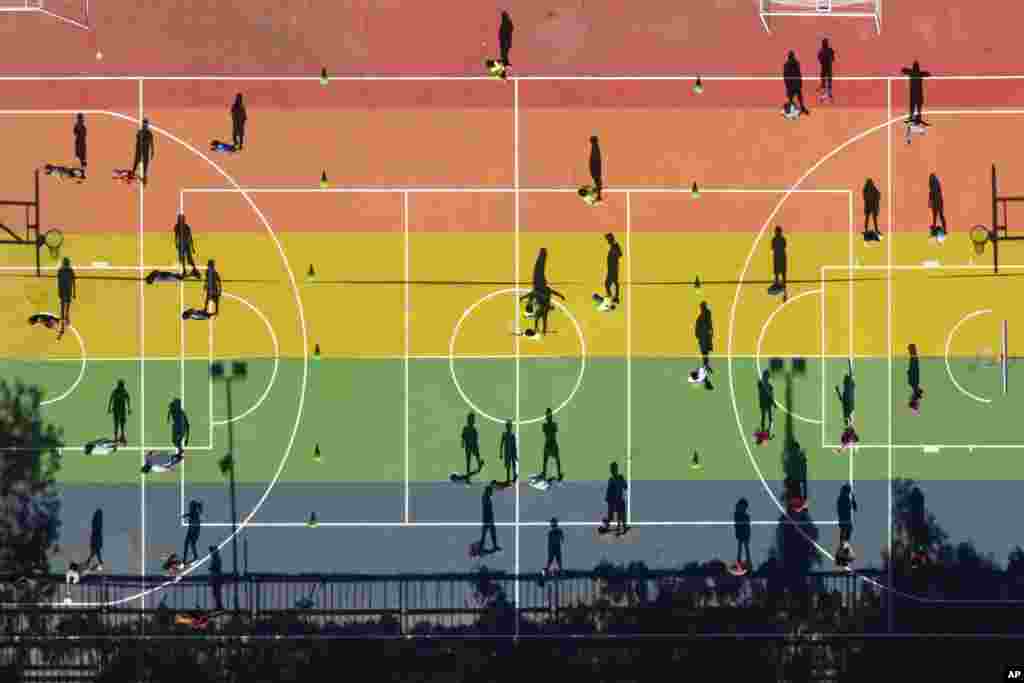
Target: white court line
[(81, 370), (142, 372), (760, 340), (370, 189), (513, 524), (344, 78), (515, 314), (273, 373), (945, 355), (406, 347), (629, 360), (891, 230)]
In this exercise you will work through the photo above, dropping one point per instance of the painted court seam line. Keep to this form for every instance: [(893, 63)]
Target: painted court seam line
[(450, 78), (407, 345), (515, 313)]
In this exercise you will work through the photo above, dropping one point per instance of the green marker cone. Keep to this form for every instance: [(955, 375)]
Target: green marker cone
[(695, 462), (323, 180), (316, 352), (698, 87), (323, 76), (316, 454), (313, 521), (694, 192)]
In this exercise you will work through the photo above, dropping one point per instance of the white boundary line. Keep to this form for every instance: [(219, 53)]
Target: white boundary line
[(285, 78), (273, 374), (945, 355), (629, 360), (81, 370), (515, 318), (382, 189), (407, 347), (890, 230), (513, 524), (142, 372)]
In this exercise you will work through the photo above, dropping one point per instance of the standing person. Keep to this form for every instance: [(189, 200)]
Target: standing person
[(96, 540), (184, 245), (741, 523), (471, 445), (936, 205), (212, 288), (80, 146), (550, 429), (916, 92), (238, 118), (704, 331), (595, 166), (487, 522), (216, 578), (615, 497), (846, 399), (66, 293), (826, 57), (779, 262), (612, 275), (539, 301), (766, 401), (872, 206), (914, 378), (505, 37), (509, 453), (120, 406), (143, 150), (846, 505), (555, 539), (180, 427), (794, 82), (194, 518)]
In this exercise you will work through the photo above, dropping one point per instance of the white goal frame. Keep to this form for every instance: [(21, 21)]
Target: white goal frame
[(40, 7), (861, 9)]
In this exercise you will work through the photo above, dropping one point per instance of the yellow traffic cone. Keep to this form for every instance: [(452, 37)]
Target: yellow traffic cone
[(311, 275)]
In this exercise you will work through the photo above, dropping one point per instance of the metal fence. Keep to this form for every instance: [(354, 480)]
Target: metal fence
[(449, 600)]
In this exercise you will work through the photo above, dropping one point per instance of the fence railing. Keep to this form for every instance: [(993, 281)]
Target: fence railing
[(413, 600)]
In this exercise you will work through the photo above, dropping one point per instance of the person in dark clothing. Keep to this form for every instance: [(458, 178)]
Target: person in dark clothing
[(612, 276), (766, 401), (555, 539), (846, 505), (540, 266), (595, 165), (794, 82), (704, 331), (914, 378), (194, 517), (916, 92), (550, 429), (212, 288), (487, 524), (872, 206), (471, 445), (120, 406), (80, 144), (779, 260), (143, 151), (238, 118), (539, 301), (505, 37), (936, 205), (184, 245), (216, 578), (509, 453), (66, 293), (826, 57), (846, 399), (96, 541), (615, 497), (180, 427), (741, 523)]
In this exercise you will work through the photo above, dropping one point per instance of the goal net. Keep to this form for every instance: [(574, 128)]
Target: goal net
[(864, 9), (73, 12)]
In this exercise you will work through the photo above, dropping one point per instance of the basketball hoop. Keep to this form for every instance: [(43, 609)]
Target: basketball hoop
[(53, 239), (979, 236)]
